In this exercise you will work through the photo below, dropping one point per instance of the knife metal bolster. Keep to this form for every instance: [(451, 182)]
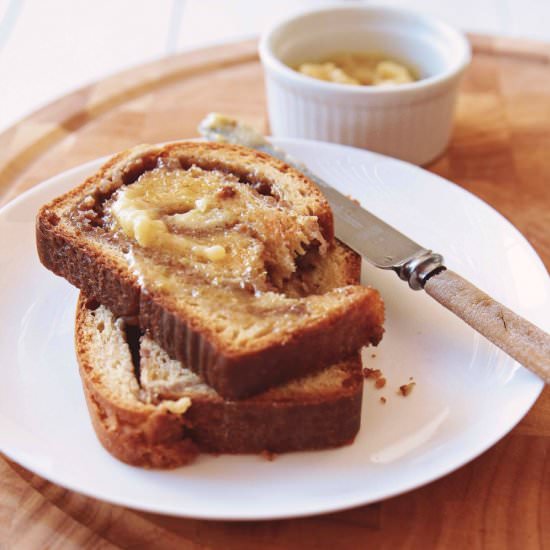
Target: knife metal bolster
[(418, 269)]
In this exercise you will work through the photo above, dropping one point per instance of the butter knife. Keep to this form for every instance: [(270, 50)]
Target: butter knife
[(386, 248)]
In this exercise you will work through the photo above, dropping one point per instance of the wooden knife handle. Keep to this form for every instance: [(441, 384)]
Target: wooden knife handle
[(526, 343)]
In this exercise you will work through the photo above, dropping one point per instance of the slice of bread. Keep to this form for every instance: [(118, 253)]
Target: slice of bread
[(222, 254), (149, 410)]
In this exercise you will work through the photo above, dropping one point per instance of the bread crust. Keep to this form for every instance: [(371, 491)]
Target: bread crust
[(235, 374), (150, 439), (148, 435)]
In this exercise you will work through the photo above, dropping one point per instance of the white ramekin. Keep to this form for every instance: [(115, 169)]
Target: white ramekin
[(409, 121)]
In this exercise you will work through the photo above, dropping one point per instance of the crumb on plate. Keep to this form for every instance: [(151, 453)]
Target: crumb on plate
[(268, 455), (372, 373), (406, 389)]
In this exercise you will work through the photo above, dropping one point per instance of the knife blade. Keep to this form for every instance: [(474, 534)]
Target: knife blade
[(386, 248)]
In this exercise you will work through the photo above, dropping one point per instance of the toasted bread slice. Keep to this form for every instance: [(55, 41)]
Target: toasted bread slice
[(149, 410), (217, 252)]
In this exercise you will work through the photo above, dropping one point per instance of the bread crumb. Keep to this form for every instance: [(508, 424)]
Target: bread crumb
[(373, 355), (353, 199), (406, 389), (383, 400), (372, 373), (268, 455), (380, 383)]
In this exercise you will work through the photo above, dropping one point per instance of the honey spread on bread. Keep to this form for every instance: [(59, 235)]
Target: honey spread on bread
[(223, 231)]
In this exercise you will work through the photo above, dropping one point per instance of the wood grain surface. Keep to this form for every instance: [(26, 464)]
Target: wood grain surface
[(500, 151)]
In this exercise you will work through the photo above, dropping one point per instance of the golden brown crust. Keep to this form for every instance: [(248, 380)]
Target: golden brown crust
[(237, 376), (233, 373), (146, 439), (149, 435)]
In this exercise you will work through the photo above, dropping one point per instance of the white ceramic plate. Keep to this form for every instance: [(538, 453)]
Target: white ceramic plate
[(468, 393)]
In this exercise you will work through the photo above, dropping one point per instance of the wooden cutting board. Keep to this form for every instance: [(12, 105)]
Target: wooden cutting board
[(500, 151)]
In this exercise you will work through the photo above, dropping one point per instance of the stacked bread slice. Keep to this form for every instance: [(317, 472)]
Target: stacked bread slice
[(218, 312)]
